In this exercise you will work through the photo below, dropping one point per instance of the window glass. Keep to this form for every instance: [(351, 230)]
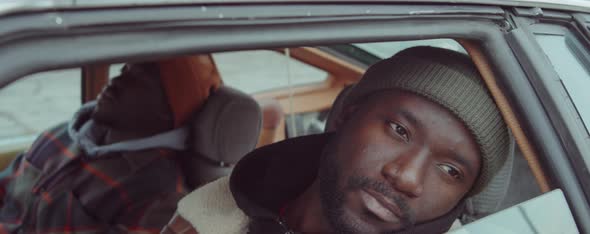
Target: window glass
[(264, 70), (37, 102), (308, 123), (115, 70), (387, 49), (571, 70)]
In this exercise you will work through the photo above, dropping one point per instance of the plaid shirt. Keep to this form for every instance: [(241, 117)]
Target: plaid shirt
[(54, 188)]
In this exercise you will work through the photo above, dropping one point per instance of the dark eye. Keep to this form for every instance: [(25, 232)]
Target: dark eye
[(451, 171), (400, 131)]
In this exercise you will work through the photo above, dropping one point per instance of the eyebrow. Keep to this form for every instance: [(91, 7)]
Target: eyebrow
[(408, 116), (461, 160)]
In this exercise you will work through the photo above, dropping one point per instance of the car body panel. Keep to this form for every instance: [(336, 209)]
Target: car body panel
[(16, 5)]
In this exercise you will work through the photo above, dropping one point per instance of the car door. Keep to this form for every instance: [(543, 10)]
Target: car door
[(552, 48), (72, 36)]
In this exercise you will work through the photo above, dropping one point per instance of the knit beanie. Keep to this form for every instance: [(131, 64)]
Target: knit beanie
[(188, 82), (450, 79)]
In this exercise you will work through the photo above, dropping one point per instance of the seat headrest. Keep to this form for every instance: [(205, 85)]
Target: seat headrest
[(227, 127)]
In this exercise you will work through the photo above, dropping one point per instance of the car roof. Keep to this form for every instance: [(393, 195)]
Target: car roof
[(12, 6)]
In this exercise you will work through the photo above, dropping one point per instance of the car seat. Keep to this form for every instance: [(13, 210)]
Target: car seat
[(478, 206), (222, 132)]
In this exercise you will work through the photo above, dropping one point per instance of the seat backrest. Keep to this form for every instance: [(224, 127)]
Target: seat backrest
[(222, 132), (478, 206)]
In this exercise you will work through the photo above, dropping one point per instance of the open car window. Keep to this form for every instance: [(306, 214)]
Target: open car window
[(264, 70), (34, 103), (239, 70)]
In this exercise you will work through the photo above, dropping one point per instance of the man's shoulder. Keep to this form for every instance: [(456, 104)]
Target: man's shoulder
[(57, 134), (212, 209), (298, 150), (299, 144), (51, 142)]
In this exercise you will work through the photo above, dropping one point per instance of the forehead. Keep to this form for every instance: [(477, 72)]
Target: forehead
[(407, 101)]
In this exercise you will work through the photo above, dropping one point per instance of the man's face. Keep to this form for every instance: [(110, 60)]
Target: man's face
[(397, 159), (134, 101)]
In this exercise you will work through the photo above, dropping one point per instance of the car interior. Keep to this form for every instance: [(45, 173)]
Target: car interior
[(309, 84)]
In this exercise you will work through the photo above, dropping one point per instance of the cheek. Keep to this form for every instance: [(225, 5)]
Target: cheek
[(438, 198), (144, 100), (364, 149)]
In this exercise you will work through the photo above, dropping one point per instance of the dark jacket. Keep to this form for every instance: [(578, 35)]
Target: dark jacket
[(261, 184), (58, 187)]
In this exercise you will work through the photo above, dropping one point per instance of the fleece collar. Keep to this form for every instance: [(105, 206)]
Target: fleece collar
[(269, 177)]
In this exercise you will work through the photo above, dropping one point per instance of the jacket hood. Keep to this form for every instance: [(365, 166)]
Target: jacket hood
[(88, 134), (269, 177)]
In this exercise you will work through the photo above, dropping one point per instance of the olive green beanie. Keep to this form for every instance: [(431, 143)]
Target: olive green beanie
[(450, 79)]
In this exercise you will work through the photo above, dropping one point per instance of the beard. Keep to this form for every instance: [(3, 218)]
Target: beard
[(333, 200)]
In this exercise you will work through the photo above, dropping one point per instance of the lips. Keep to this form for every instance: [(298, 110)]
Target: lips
[(381, 206)]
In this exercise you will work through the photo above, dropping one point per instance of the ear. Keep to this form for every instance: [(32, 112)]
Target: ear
[(341, 118)]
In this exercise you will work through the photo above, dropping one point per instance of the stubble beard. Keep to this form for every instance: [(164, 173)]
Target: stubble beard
[(332, 196)]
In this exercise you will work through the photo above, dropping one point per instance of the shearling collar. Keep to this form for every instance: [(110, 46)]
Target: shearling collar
[(269, 177)]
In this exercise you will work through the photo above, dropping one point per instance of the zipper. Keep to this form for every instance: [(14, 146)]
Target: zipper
[(284, 225)]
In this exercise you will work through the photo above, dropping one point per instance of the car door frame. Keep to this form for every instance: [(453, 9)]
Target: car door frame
[(567, 167)]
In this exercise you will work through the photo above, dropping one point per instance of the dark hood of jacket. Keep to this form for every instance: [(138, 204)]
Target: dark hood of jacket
[(269, 177), (89, 134)]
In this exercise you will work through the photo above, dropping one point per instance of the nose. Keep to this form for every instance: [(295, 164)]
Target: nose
[(406, 172)]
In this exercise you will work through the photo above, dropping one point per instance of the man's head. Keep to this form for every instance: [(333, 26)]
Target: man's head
[(135, 101), (417, 135), (152, 97)]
